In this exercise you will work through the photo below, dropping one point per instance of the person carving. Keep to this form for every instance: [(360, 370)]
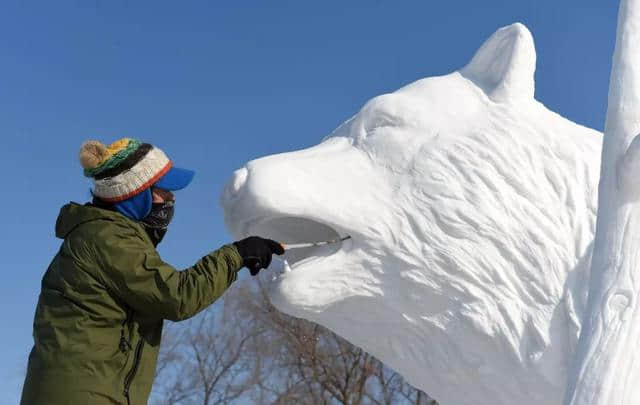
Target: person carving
[(98, 322)]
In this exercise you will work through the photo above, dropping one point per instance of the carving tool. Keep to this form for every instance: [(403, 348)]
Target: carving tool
[(288, 246)]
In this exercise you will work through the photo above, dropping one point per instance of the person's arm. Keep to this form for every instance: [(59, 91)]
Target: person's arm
[(134, 271)]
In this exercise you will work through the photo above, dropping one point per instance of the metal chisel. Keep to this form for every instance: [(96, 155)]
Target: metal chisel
[(288, 246)]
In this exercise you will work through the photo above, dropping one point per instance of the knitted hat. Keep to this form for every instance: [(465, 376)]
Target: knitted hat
[(127, 167)]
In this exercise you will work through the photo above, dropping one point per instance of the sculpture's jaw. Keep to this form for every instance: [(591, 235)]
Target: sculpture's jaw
[(293, 230), (318, 276)]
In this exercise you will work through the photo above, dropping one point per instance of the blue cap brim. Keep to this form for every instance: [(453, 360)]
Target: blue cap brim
[(175, 179)]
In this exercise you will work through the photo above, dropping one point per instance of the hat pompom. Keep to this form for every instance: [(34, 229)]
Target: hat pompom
[(92, 153)]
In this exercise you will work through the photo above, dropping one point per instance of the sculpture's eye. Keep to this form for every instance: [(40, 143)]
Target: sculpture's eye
[(380, 119), (381, 112)]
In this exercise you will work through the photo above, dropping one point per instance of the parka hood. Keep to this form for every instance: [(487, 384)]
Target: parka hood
[(73, 214)]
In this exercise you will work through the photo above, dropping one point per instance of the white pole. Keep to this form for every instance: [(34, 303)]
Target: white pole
[(607, 362)]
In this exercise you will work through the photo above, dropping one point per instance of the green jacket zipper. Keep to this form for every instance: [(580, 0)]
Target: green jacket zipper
[(134, 369)]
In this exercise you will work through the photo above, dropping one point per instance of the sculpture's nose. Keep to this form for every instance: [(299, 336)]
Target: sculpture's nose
[(238, 180), (235, 184)]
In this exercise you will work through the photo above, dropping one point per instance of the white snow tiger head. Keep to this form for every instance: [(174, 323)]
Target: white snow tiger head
[(471, 209)]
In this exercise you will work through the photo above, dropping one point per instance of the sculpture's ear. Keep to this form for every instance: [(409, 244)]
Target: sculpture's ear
[(504, 66)]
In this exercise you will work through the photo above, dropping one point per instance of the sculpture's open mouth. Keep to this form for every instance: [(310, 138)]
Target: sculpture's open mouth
[(291, 230)]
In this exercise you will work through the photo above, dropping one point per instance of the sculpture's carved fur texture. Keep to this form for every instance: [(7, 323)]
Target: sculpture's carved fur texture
[(471, 209)]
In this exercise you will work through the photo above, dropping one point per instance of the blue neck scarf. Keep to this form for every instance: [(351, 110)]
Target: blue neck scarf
[(136, 207)]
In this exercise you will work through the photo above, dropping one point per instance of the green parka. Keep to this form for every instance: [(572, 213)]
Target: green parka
[(98, 322)]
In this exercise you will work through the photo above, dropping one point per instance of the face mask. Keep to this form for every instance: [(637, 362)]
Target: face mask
[(157, 222)]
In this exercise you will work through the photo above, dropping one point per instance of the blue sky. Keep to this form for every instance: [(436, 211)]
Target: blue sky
[(216, 84)]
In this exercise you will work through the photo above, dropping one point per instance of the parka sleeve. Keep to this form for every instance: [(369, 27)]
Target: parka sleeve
[(134, 271)]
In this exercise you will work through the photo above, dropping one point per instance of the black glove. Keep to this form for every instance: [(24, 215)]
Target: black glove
[(256, 252)]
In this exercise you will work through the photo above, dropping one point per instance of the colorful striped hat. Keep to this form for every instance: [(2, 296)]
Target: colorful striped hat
[(123, 169)]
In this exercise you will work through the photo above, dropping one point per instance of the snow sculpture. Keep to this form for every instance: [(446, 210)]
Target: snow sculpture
[(606, 371), (472, 212)]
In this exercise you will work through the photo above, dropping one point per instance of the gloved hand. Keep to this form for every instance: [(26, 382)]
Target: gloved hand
[(256, 252)]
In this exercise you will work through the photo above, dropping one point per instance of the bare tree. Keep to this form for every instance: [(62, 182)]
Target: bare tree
[(210, 362)]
